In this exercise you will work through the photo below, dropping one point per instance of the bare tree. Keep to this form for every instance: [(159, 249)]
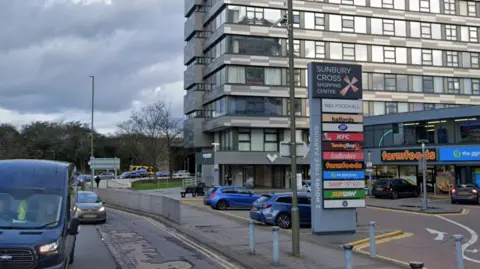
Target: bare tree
[(171, 129), (131, 140)]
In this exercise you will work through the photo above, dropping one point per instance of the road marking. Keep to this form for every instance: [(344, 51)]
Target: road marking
[(214, 257), (469, 243), (474, 250), (385, 240), (377, 238), (440, 235), (463, 212)]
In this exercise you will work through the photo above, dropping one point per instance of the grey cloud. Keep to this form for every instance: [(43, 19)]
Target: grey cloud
[(48, 52)]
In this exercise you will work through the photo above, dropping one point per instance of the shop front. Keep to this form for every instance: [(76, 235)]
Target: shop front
[(466, 160), (407, 164)]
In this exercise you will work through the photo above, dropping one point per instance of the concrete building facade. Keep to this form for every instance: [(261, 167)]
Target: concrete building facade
[(416, 55)]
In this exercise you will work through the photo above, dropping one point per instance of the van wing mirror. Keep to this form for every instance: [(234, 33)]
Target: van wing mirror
[(74, 224)]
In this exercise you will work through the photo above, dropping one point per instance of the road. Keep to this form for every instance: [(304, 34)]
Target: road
[(424, 244), (147, 244), (90, 251)]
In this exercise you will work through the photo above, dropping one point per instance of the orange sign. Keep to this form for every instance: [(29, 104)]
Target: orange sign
[(408, 155)]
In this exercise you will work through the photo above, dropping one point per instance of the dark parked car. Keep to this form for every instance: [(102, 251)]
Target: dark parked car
[(465, 193), (275, 209), (224, 197), (395, 188)]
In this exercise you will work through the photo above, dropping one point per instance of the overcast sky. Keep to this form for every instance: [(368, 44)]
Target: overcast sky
[(49, 48)]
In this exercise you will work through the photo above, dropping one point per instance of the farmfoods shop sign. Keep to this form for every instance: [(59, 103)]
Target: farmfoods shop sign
[(408, 155)]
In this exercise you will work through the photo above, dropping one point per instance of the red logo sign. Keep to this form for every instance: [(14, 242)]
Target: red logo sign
[(335, 146), (342, 137), (343, 156)]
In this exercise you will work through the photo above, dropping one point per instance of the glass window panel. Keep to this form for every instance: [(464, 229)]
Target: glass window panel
[(361, 52), (402, 107), (437, 57), (377, 55), (377, 26), (335, 23), (400, 28), (417, 84), (401, 55), (402, 83), (361, 25), (467, 86), (416, 56), (309, 20), (378, 82), (336, 51), (415, 29), (438, 84), (378, 108), (436, 31), (310, 49)]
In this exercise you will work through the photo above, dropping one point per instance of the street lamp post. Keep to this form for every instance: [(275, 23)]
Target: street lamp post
[(369, 174), (92, 167), (424, 170), (293, 140)]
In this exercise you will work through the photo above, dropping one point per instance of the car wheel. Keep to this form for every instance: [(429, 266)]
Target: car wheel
[(103, 221), (283, 221), (394, 195), (453, 202), (222, 205)]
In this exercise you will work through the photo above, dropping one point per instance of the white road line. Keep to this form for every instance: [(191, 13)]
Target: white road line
[(473, 238)]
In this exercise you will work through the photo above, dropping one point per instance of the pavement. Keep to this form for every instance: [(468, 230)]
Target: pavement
[(90, 250), (144, 243)]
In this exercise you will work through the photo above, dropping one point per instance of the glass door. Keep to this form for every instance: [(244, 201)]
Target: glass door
[(249, 176)]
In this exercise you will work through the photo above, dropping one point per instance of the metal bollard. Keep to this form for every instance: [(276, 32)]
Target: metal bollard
[(251, 236), (373, 249), (416, 265), (348, 256), (458, 250), (275, 245)]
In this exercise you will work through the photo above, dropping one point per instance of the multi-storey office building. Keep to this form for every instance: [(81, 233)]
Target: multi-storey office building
[(416, 55)]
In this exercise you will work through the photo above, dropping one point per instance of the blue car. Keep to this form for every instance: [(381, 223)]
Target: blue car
[(275, 209), (224, 197)]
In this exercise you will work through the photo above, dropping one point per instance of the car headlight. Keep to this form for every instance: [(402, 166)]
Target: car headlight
[(101, 209), (49, 248), (78, 209)]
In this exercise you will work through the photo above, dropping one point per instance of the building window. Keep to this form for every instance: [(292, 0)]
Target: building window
[(389, 54), (244, 139), (453, 85), (296, 19), (296, 47), (428, 84), (387, 3), (320, 49), (348, 51), (476, 86), (449, 6), (391, 108), (255, 14), (473, 33), (388, 27), (319, 21), (271, 139), (348, 24), (390, 82), (254, 75), (427, 58), (472, 12), (426, 29), (474, 60), (451, 32), (298, 77), (428, 106), (425, 5), (452, 58)]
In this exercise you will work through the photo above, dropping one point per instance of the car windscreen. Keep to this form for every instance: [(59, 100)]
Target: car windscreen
[(264, 198), (382, 182), (87, 198), (465, 187), (309, 182), (22, 208), (211, 190)]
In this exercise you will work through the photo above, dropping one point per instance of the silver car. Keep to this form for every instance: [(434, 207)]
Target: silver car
[(107, 175), (90, 207)]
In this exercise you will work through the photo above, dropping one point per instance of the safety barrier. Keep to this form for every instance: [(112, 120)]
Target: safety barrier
[(142, 202)]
